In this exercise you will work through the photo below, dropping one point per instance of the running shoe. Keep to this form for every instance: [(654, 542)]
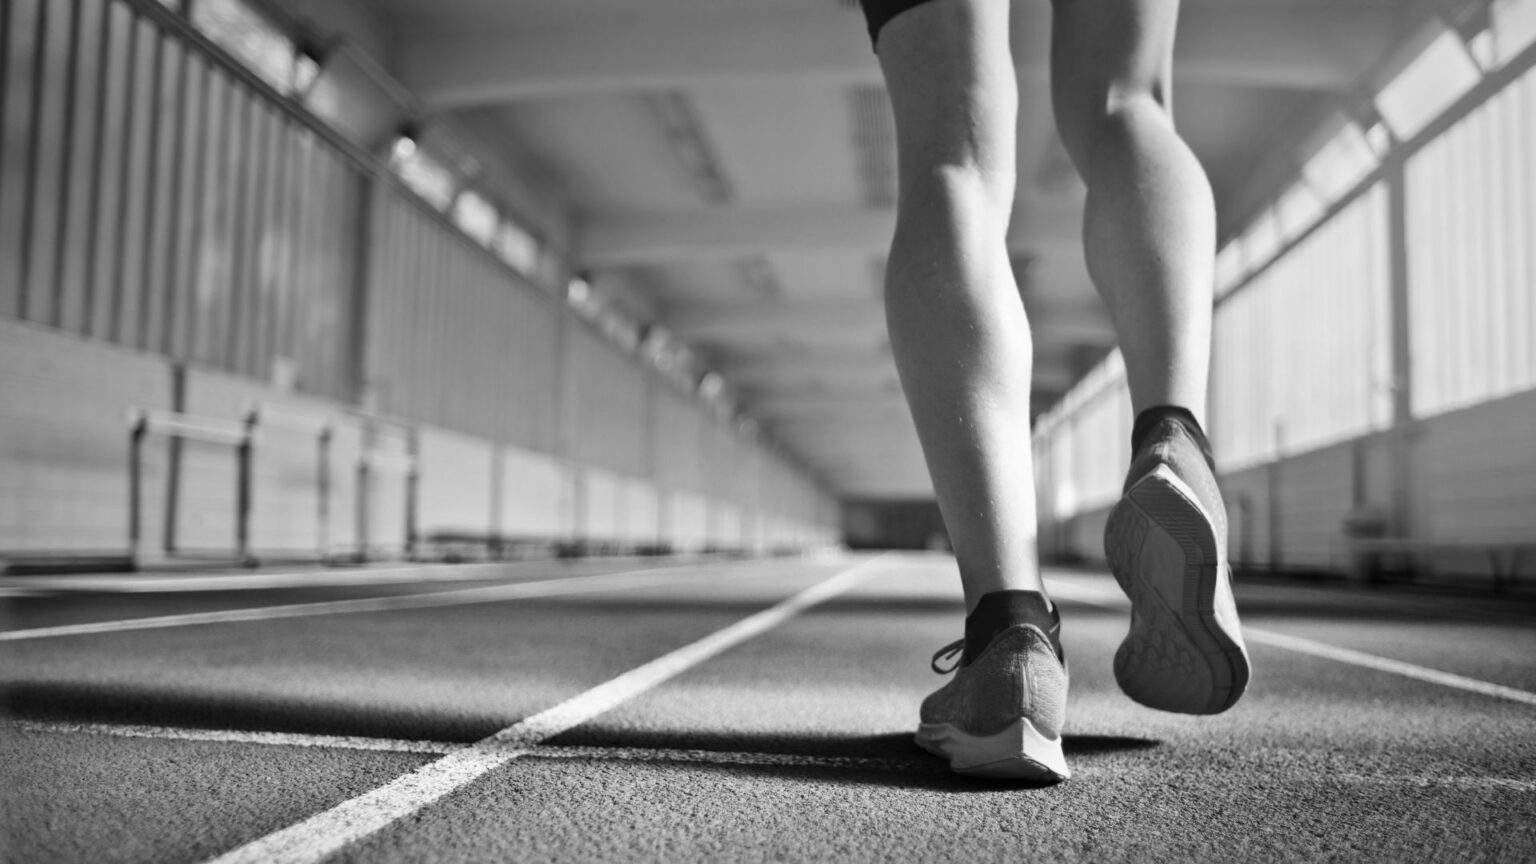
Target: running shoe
[(1166, 542), (1000, 717)]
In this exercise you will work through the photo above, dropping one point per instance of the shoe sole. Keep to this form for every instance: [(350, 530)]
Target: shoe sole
[(1184, 652), (1018, 752)]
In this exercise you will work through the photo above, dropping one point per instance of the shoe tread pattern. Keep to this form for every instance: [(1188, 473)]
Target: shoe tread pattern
[(1176, 657)]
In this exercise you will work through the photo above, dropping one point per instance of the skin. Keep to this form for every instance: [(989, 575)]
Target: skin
[(957, 326)]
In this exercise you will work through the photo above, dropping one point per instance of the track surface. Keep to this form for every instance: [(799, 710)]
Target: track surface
[(184, 741)]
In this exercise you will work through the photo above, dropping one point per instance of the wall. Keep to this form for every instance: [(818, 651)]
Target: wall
[(64, 462), (1373, 356), (177, 234)]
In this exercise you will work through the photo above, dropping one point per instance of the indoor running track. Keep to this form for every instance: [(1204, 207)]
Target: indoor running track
[(726, 711)]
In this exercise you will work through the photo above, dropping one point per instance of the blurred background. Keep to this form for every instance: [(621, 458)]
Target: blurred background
[(344, 280)]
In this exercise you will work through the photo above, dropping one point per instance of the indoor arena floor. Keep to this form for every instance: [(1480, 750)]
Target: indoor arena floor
[(713, 710)]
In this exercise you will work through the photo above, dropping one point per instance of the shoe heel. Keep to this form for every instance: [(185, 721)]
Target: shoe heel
[(1162, 549)]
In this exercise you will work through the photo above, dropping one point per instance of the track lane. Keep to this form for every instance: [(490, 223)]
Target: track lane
[(797, 743), (1319, 759), (76, 612), (399, 801), (83, 798), (447, 675)]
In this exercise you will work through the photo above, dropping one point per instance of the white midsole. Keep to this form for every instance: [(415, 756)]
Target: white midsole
[(1019, 740)]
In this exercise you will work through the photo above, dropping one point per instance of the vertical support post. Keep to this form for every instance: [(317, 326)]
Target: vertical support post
[(565, 385), (1245, 529), (323, 489), (173, 464), (137, 430), (1276, 500), (412, 487), (650, 441), (498, 479), (1400, 517), (364, 490), (244, 455), (360, 376)]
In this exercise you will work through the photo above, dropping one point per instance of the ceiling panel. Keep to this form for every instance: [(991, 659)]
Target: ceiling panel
[(781, 142), (607, 150), (815, 276)]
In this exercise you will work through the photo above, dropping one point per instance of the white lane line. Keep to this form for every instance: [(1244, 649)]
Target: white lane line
[(325, 833), (1383, 664), (386, 574), (433, 599), (221, 736), (440, 748), (1479, 784), (1115, 600), (721, 757), (1109, 599), (684, 756)]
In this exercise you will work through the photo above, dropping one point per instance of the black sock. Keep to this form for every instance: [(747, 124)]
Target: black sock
[(1147, 420), (1000, 610)]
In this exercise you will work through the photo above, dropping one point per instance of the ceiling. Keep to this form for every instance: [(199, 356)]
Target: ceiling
[(729, 166)]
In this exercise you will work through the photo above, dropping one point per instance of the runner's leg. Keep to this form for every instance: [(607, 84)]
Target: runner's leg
[(1149, 228), (956, 323), (1149, 237)]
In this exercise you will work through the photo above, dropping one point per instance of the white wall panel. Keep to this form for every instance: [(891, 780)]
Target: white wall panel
[(601, 499), (639, 510), (1315, 492), (1302, 353), (610, 412), (1472, 255), (456, 339), (536, 495), (456, 485), (728, 530), (1475, 472), (678, 441), (285, 465), (687, 521), (64, 404), (380, 510)]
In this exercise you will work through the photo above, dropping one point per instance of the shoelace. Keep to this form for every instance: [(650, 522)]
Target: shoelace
[(952, 650)]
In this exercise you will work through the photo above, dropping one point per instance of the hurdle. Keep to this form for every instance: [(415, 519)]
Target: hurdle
[(260, 416), (237, 435), (374, 462)]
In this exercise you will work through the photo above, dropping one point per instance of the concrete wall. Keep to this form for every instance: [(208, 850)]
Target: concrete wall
[(64, 469), (1470, 473)]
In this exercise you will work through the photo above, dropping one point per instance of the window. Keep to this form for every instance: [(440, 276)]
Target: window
[(253, 39), (518, 248), (1297, 210), (476, 217), (423, 174), (1435, 79), (1229, 268), (1341, 164), (1261, 241), (1513, 30)]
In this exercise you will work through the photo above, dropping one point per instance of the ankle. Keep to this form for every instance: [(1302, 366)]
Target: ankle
[(1150, 418), (999, 610)]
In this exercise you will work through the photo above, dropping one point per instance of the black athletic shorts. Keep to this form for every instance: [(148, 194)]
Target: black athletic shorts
[(877, 12)]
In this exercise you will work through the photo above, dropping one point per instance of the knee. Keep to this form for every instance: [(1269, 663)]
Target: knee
[(1107, 113), (956, 187)]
